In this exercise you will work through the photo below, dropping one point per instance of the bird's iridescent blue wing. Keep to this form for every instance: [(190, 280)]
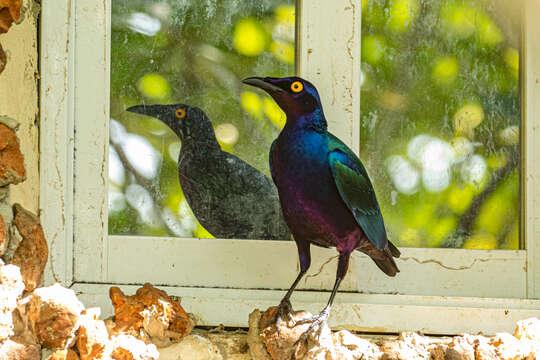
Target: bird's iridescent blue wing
[(355, 188)]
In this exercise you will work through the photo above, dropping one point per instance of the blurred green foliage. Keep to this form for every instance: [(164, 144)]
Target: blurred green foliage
[(193, 52), (440, 109)]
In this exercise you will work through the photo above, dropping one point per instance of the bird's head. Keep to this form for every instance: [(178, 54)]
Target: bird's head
[(294, 95), (186, 121)]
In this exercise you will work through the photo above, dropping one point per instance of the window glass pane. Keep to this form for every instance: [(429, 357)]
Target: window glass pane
[(440, 131), (190, 52)]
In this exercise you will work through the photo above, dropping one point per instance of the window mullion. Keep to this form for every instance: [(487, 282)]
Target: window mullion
[(531, 147), (92, 54), (56, 139), (329, 56)]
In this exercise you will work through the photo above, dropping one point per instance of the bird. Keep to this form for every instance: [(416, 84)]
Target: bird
[(230, 198), (324, 189)]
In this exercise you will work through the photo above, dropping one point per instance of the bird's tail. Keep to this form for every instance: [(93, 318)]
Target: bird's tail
[(388, 265), (393, 250)]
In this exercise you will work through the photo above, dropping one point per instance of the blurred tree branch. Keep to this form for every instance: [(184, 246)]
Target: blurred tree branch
[(148, 184), (468, 218)]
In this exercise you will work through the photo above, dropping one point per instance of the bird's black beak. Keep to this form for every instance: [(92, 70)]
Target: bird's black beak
[(149, 110), (264, 84), (160, 112)]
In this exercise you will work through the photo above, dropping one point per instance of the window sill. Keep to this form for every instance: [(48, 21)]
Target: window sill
[(380, 313)]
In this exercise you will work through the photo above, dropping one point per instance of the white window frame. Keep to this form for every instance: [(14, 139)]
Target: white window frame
[(439, 291)]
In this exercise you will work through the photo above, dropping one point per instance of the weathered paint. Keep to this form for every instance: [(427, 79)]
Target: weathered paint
[(189, 263), (531, 148), (57, 138), (271, 265), (19, 99), (359, 312), (339, 74)]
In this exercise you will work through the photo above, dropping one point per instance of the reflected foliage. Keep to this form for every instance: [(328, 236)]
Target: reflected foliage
[(192, 52), (440, 120), (440, 105)]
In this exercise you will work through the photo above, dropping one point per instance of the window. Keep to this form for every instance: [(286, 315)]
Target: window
[(222, 281), (442, 138), (163, 52)]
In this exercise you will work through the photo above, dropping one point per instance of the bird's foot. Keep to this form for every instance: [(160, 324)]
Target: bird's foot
[(284, 309), (316, 321)]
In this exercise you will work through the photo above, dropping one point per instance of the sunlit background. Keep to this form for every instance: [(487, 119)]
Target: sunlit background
[(440, 110), (440, 124), (193, 52)]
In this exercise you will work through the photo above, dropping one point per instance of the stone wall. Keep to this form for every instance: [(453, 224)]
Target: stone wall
[(11, 172), (50, 323), (19, 79)]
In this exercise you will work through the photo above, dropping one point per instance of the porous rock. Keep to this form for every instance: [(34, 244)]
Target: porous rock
[(461, 348), (409, 346), (53, 313), (281, 344), (265, 342), (438, 352), (63, 354), (528, 329), (94, 342), (13, 237), (127, 347), (509, 347), (257, 349), (232, 345), (355, 347), (4, 236), (483, 350), (192, 347), (32, 253), (3, 59), (93, 338), (341, 345), (11, 288), (9, 122), (11, 159), (10, 10), (19, 349), (150, 315)]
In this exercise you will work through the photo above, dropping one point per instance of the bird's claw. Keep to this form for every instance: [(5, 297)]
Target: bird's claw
[(316, 320), (284, 308)]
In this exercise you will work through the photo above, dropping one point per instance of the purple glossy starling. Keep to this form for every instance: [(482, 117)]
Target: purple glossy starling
[(325, 192), (230, 198)]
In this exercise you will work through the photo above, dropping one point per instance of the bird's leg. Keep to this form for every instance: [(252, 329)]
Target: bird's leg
[(343, 264), (285, 306)]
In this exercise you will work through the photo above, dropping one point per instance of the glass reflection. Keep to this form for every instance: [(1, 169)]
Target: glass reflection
[(440, 107), (191, 52)]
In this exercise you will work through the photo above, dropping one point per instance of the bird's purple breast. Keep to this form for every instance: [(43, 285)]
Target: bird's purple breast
[(311, 203)]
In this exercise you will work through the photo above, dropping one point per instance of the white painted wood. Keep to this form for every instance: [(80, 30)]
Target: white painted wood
[(337, 77), (361, 312), (56, 138), (75, 96), (531, 145), (93, 29), (218, 263), (329, 56), (450, 272), (92, 68), (260, 264)]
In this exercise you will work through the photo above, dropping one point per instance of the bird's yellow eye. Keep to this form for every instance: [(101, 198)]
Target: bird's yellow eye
[(297, 86), (180, 113)]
